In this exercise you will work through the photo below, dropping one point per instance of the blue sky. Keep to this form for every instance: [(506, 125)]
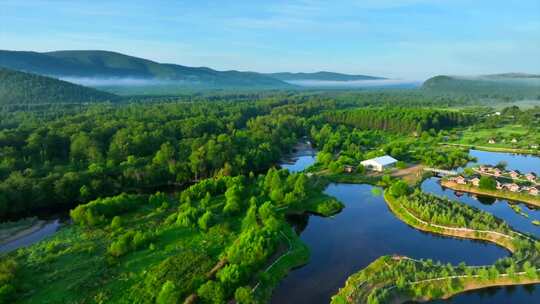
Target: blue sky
[(407, 39)]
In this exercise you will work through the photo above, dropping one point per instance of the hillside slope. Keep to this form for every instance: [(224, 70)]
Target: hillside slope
[(106, 65), (509, 85), (25, 88)]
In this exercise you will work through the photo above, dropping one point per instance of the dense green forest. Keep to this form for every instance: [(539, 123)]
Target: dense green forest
[(399, 119), (172, 189), (105, 150), (59, 157), (18, 88)]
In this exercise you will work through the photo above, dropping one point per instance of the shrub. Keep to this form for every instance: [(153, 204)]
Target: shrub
[(399, 188), (129, 241), (96, 211), (487, 183), (116, 223), (243, 295), (205, 221), (212, 292), (168, 294), (401, 165)]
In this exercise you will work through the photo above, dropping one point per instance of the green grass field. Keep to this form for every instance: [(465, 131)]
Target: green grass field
[(526, 138)]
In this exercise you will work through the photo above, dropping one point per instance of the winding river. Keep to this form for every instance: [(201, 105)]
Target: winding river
[(366, 229), (44, 231)]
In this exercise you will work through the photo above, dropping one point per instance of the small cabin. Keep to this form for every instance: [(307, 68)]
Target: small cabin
[(513, 187), (475, 181), (534, 191), (491, 141), (497, 172), (348, 169), (499, 185), (515, 173), (531, 177), (460, 180), (483, 169), (379, 163)]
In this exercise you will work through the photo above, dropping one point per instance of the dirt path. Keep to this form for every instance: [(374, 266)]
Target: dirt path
[(498, 238)]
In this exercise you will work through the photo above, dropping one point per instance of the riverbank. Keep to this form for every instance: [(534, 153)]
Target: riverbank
[(513, 196), (407, 217), (495, 149), (399, 279), (369, 286), (10, 232), (473, 283), (295, 254)]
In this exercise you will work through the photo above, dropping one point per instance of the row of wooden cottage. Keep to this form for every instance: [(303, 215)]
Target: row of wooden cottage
[(513, 174), (513, 187)]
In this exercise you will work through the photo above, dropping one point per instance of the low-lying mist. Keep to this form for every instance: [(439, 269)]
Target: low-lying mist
[(378, 83), (120, 81)]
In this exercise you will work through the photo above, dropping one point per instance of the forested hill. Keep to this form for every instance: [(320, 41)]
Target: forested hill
[(96, 67), (25, 88), (323, 76), (508, 86)]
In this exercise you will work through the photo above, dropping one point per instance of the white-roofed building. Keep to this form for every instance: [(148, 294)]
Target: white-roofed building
[(379, 163)]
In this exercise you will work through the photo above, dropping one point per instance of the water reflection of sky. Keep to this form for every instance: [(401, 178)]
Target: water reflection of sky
[(523, 163), (362, 232)]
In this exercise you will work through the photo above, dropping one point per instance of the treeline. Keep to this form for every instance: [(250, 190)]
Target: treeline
[(397, 119), (107, 150), (58, 157), (344, 145)]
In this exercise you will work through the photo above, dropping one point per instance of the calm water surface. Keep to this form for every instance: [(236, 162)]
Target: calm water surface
[(523, 163), (366, 229), (362, 232), (300, 160), (47, 230)]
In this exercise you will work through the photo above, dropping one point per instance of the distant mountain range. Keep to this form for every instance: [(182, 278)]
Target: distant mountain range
[(104, 65), (512, 85), (123, 74), (25, 88), (104, 69)]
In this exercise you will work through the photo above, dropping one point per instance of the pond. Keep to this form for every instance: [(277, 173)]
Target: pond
[(303, 157), (365, 230)]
